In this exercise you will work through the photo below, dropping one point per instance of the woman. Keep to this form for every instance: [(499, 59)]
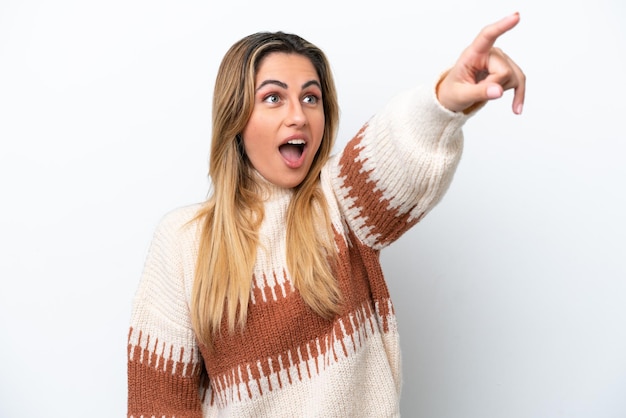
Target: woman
[(268, 299)]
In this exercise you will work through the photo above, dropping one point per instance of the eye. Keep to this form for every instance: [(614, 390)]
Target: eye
[(311, 99), (272, 98)]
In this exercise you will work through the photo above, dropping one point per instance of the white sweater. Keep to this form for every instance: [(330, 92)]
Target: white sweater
[(290, 362)]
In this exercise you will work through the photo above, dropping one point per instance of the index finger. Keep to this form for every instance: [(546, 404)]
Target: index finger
[(487, 37)]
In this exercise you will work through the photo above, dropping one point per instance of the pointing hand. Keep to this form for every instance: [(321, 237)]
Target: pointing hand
[(483, 72)]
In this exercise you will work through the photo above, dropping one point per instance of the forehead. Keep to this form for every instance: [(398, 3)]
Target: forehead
[(281, 65)]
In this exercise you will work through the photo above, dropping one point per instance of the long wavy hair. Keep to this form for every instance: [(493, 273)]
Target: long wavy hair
[(231, 216)]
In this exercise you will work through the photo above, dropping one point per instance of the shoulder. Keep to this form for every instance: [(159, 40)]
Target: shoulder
[(180, 216), (178, 223)]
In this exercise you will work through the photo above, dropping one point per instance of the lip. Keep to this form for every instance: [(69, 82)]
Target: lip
[(300, 161)]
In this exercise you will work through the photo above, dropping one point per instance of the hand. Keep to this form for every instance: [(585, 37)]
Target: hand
[(483, 73)]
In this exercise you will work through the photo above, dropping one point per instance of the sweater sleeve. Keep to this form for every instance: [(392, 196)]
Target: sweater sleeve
[(164, 364), (398, 167)]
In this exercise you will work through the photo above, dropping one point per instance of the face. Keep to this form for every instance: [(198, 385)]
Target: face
[(286, 127)]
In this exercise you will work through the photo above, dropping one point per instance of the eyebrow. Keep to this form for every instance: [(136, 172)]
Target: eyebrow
[(284, 85)]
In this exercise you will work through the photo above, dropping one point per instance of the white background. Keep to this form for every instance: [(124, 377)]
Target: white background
[(511, 294)]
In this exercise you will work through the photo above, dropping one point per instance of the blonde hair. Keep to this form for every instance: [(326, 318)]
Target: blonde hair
[(231, 216)]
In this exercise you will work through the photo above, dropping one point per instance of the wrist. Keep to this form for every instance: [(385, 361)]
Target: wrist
[(443, 102)]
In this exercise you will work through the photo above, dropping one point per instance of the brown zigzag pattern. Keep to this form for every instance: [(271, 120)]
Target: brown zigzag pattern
[(305, 361), (158, 369), (368, 198), (263, 291), (368, 278)]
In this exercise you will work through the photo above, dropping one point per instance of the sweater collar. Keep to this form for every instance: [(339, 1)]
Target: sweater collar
[(269, 191)]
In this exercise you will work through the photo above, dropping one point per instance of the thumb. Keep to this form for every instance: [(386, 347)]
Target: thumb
[(475, 95), (478, 94), (463, 96), (492, 91)]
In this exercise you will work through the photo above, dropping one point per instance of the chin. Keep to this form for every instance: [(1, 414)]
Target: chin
[(285, 179), (288, 182)]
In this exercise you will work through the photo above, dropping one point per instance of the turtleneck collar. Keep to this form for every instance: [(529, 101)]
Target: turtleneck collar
[(268, 190)]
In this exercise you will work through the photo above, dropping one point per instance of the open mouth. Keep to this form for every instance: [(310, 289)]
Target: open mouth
[(292, 150)]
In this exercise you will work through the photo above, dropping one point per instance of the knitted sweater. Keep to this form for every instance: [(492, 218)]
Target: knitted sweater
[(290, 362)]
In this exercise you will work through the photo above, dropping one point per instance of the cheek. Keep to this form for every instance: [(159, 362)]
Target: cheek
[(252, 137), (252, 147), (319, 129), (317, 122)]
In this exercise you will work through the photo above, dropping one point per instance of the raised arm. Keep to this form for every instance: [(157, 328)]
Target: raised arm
[(401, 163)]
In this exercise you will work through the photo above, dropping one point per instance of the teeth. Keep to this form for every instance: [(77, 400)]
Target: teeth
[(296, 142)]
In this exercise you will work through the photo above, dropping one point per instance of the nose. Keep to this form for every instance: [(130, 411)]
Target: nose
[(295, 114)]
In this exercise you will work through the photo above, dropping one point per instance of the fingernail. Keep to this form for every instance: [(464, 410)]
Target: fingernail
[(493, 92), (519, 108)]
